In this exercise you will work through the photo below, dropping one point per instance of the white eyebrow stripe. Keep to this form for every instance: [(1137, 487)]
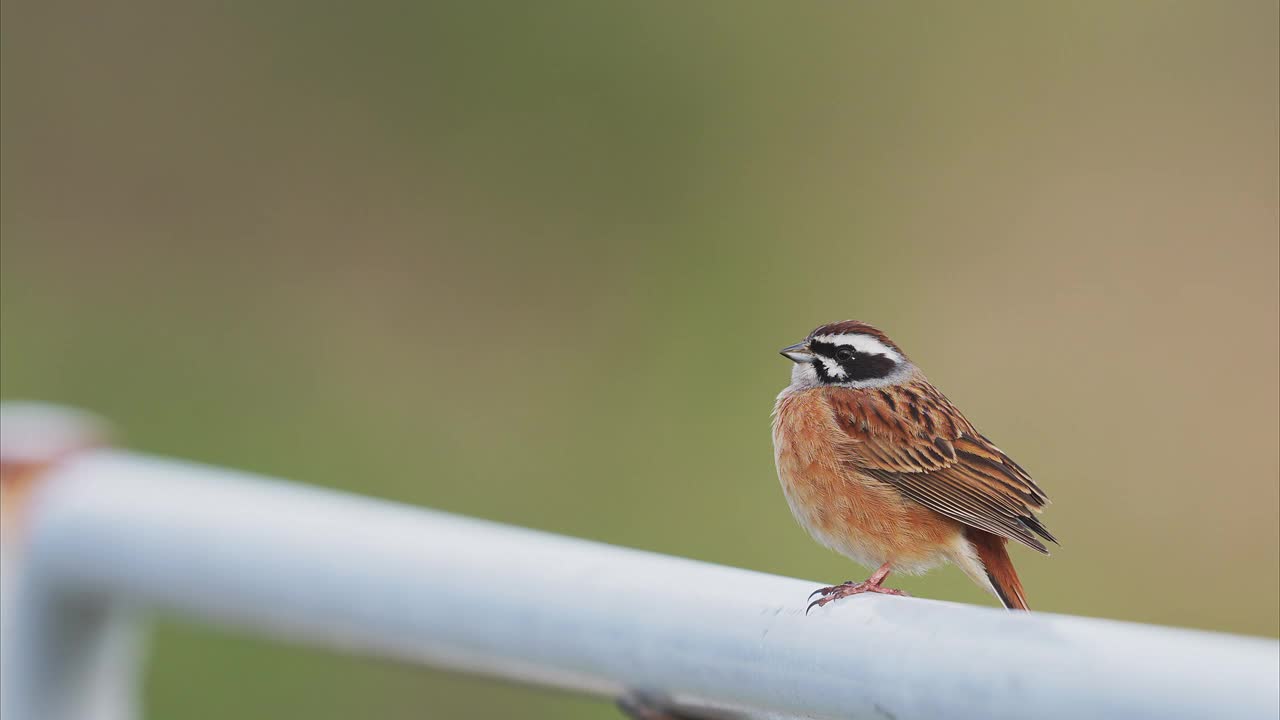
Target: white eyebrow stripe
[(862, 343)]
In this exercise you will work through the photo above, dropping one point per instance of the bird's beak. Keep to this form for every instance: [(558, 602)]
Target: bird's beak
[(798, 352)]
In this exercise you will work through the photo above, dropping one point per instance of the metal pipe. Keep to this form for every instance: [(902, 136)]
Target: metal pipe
[(357, 574), (87, 649)]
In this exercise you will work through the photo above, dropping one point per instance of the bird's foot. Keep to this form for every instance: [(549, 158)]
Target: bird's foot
[(835, 592)]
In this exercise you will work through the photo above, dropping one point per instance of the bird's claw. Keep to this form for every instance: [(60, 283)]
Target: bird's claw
[(828, 590), (835, 592)]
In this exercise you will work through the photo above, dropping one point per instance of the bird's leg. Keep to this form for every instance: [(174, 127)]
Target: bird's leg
[(877, 578), (873, 584)]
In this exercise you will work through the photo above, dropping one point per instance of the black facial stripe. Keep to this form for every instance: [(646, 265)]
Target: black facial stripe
[(823, 348), (862, 366), (821, 368), (868, 367)]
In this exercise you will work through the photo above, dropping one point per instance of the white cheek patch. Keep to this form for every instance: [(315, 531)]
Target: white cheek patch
[(833, 368), (864, 344)]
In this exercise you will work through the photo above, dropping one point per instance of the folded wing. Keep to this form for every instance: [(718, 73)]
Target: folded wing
[(911, 437)]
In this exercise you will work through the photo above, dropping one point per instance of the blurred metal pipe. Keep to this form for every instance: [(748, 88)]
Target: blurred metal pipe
[(327, 569), (95, 658)]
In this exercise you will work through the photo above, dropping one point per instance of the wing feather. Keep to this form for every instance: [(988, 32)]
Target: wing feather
[(912, 438)]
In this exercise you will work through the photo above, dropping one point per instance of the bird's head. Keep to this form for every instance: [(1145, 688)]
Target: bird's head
[(847, 354)]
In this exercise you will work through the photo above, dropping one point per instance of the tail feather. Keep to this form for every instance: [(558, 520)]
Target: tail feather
[(1004, 580)]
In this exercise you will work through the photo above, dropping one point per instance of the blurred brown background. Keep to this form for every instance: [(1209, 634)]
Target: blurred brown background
[(533, 262)]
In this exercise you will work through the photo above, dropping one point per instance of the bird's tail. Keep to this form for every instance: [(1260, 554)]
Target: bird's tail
[(999, 568)]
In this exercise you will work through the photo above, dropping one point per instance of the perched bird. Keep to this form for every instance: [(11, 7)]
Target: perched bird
[(879, 466)]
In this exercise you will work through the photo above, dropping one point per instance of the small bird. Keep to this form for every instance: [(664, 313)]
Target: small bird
[(879, 466)]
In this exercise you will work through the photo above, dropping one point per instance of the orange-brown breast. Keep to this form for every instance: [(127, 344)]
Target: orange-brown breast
[(858, 516)]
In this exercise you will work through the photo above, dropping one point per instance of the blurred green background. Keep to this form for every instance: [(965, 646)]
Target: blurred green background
[(533, 262)]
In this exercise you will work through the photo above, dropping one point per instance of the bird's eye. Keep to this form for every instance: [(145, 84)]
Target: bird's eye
[(845, 354)]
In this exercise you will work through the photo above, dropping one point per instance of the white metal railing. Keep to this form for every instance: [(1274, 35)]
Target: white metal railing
[(109, 533)]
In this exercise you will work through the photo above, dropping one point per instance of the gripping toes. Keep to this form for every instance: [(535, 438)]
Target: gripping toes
[(835, 592)]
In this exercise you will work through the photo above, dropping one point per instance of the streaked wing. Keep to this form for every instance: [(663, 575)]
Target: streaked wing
[(911, 437)]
